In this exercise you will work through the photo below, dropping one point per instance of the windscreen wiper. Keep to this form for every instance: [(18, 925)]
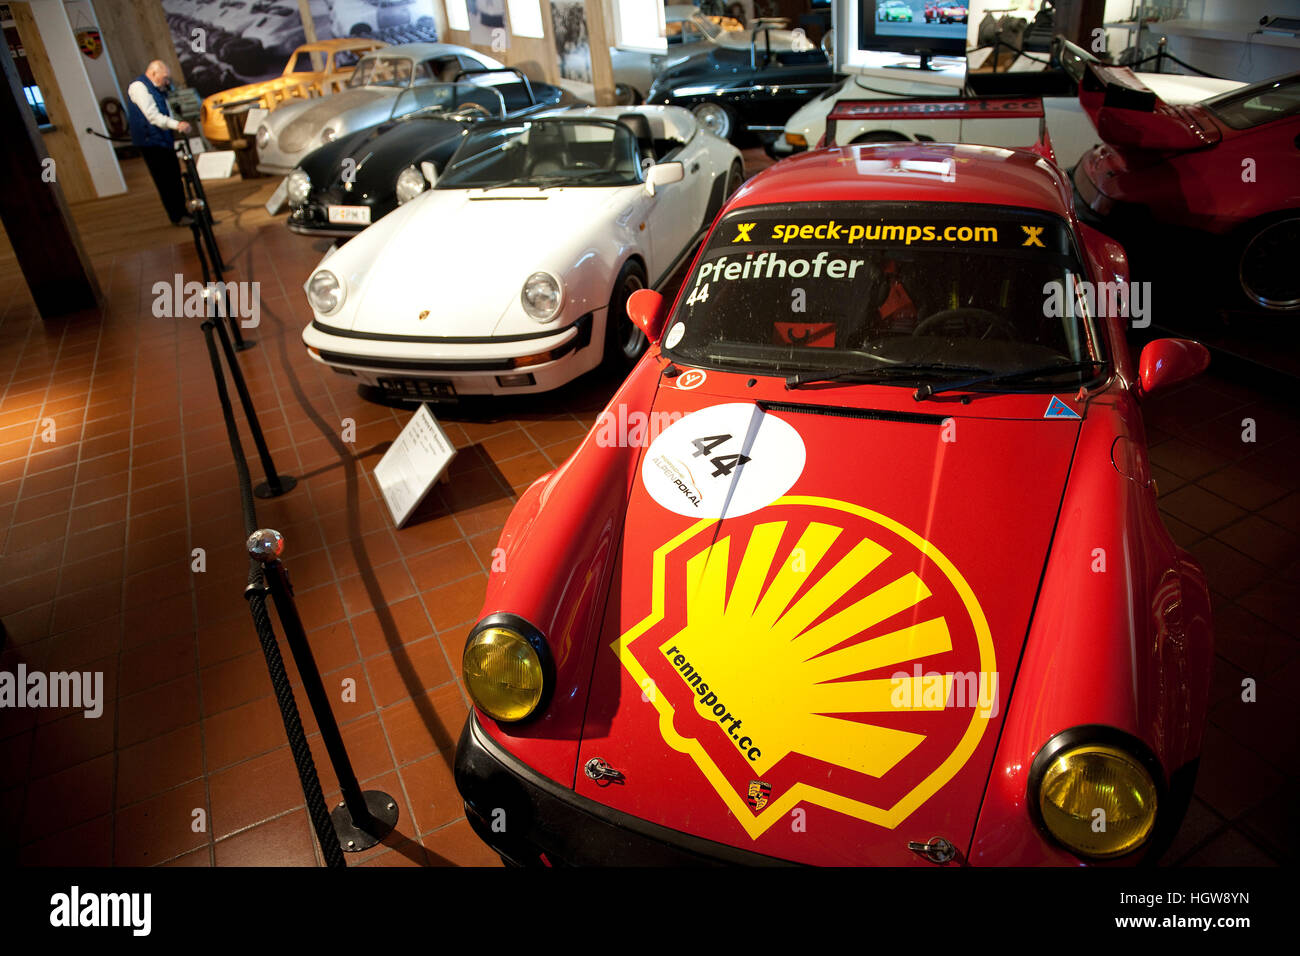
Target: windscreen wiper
[(925, 391), (868, 374)]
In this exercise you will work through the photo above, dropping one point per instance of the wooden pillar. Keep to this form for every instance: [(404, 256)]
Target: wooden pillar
[(35, 215)]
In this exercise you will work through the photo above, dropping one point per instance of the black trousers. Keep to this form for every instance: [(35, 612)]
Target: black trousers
[(166, 173)]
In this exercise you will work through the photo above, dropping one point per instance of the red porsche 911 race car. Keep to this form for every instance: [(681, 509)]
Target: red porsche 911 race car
[(862, 563), (1227, 168)]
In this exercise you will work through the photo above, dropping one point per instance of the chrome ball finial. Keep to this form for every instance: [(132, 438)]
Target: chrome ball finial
[(265, 545), (194, 205)]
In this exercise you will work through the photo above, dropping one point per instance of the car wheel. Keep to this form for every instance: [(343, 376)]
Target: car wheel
[(624, 342), (625, 95), (735, 176), (715, 117), (1265, 261)]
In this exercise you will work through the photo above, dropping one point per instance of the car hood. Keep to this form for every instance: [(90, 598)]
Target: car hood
[(379, 152), (461, 256), (816, 616)]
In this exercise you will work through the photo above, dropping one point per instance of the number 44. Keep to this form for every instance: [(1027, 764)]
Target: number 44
[(723, 464)]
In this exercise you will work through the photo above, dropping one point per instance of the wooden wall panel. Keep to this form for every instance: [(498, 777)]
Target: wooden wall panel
[(61, 142), (136, 32)]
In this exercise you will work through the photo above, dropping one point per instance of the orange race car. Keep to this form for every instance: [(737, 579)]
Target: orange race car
[(314, 69)]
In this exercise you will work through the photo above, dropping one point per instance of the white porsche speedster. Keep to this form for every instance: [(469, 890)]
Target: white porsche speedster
[(512, 273)]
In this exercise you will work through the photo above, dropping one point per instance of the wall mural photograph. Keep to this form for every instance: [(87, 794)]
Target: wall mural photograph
[(226, 43)]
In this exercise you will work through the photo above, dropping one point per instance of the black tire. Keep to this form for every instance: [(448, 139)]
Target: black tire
[(1262, 263), (624, 342), (361, 30), (625, 95), (735, 178)]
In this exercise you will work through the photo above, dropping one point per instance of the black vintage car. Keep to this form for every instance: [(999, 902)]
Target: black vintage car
[(746, 95), (344, 186)]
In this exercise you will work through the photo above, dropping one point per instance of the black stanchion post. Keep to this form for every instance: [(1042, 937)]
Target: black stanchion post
[(195, 191), (364, 817), (195, 206), (276, 484)]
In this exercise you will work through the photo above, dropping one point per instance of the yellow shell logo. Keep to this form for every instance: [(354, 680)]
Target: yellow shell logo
[(782, 651)]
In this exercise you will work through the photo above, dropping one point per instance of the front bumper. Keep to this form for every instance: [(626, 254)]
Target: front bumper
[(523, 815), (417, 368)]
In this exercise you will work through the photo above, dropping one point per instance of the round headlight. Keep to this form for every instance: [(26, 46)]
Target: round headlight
[(542, 296), (410, 183), (327, 134), (503, 673), (1099, 801), (297, 187), (263, 136), (325, 292)]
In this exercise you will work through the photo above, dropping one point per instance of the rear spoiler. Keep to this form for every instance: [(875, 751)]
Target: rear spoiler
[(1129, 115), (932, 109)]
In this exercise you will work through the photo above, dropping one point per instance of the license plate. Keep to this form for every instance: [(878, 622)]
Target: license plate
[(422, 388), (352, 215)]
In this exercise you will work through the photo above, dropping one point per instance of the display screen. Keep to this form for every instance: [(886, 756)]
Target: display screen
[(914, 26)]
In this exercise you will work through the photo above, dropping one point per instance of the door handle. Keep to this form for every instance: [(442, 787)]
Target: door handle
[(695, 167)]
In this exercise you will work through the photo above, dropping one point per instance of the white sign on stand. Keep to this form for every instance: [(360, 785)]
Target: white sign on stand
[(254, 119), (413, 464)]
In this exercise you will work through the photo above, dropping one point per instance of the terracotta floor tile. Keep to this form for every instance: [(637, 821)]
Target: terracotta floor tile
[(409, 672), (69, 797), (150, 664), (432, 789), (242, 732), (284, 841), (1199, 508), (159, 710), (254, 791), (87, 844), (71, 740), (162, 828), (457, 604), (423, 726), (457, 845), (158, 764)]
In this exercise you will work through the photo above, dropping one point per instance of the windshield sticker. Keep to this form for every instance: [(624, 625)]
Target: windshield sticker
[(815, 653), (1058, 409), (829, 233), (674, 335), (816, 335), (727, 459)]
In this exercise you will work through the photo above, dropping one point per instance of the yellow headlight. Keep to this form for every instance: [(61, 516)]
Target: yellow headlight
[(1083, 780), (503, 674)]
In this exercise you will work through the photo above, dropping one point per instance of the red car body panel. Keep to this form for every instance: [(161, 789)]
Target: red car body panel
[(1003, 524), (1184, 164)]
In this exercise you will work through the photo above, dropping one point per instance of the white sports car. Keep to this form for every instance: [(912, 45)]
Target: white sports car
[(512, 274)]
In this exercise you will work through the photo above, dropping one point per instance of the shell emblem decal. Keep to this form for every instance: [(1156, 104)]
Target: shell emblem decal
[(814, 651)]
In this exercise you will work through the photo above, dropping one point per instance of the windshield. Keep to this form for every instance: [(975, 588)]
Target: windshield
[(864, 286), (550, 152), (1255, 105), (460, 100), (381, 71)]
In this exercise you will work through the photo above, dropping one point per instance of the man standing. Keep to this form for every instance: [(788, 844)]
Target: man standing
[(151, 126)]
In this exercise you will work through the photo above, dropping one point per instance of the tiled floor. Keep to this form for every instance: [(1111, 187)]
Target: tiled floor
[(114, 467)]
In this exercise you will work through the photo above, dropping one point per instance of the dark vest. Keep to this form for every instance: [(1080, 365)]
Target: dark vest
[(144, 133)]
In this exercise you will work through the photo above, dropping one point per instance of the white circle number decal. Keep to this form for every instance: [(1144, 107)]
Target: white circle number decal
[(675, 334), (727, 459)]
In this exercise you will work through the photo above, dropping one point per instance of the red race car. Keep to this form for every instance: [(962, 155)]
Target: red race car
[(1227, 167), (862, 563)]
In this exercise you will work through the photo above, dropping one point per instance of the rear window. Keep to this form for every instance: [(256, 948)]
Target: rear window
[(1259, 104)]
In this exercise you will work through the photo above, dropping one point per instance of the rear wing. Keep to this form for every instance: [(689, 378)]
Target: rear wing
[(855, 111), (1128, 115)]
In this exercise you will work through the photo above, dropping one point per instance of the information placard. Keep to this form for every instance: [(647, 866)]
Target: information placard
[(254, 119), (413, 464)]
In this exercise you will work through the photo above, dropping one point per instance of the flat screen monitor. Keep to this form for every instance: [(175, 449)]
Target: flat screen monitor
[(924, 27)]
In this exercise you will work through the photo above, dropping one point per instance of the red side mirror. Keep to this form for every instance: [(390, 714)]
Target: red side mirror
[(645, 307), (1167, 362)]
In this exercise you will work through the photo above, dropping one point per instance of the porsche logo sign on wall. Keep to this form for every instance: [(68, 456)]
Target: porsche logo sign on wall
[(814, 651), (90, 42)]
